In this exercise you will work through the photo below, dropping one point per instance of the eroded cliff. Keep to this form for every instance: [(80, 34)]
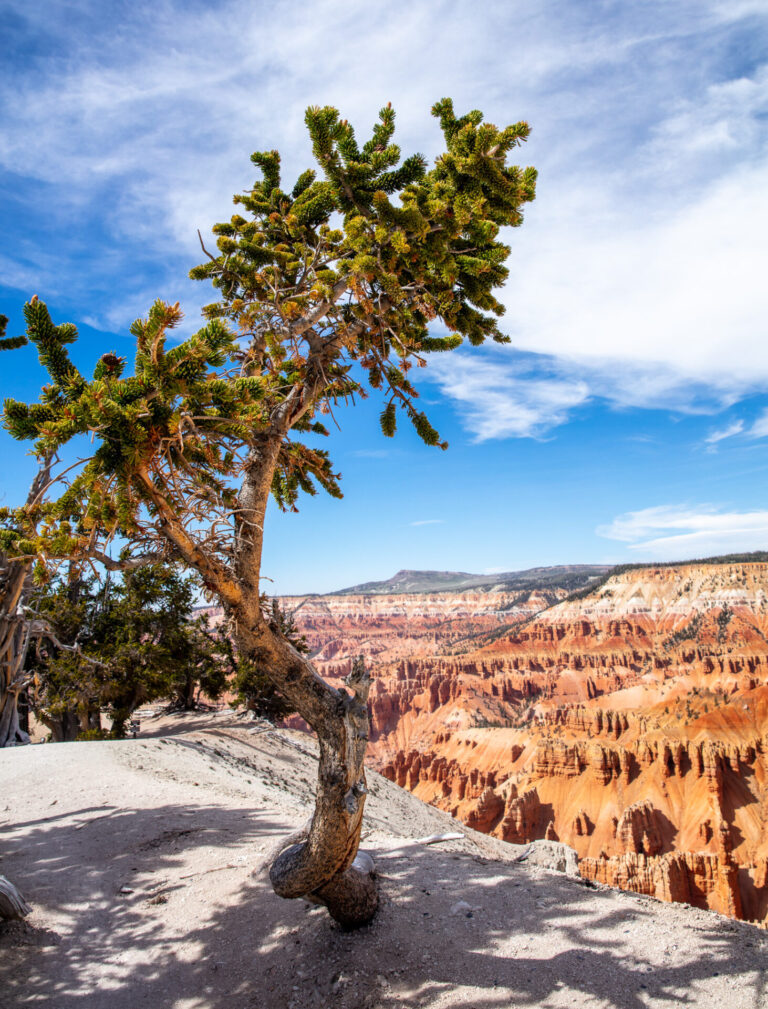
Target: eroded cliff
[(631, 724)]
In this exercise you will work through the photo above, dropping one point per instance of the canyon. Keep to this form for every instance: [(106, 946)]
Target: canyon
[(628, 720)]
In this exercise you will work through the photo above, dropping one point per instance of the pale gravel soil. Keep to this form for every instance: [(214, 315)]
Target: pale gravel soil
[(183, 818)]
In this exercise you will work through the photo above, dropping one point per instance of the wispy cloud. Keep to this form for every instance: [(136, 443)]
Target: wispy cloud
[(371, 453), (757, 429), (673, 305), (760, 427), (645, 280), (669, 532), (498, 400), (428, 522), (639, 270), (730, 431), (724, 121)]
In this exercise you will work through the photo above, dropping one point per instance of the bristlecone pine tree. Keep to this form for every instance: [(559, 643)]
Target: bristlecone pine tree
[(126, 642), (322, 288)]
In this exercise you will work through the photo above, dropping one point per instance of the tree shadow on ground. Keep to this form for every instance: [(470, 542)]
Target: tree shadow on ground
[(524, 940), (175, 723), (101, 880), (454, 930)]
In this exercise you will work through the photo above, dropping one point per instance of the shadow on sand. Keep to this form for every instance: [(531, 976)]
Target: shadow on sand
[(206, 941)]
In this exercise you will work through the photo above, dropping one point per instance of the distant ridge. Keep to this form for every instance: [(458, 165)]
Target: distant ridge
[(754, 557), (566, 576), (578, 579)]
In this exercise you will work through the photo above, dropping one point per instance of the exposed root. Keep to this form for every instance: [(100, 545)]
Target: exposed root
[(351, 897)]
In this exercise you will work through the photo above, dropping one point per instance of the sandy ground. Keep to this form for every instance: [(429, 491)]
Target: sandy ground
[(138, 860)]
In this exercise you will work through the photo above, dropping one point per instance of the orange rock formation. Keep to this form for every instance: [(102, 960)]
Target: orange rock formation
[(631, 724)]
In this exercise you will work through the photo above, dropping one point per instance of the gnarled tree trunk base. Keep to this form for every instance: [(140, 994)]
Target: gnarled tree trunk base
[(320, 862), (351, 897), (12, 904), (11, 732)]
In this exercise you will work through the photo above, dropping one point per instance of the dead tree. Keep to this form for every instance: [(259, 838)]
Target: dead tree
[(16, 627)]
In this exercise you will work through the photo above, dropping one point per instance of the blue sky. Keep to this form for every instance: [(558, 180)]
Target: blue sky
[(629, 418)]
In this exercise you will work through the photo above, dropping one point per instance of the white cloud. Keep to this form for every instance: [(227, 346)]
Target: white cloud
[(495, 402), (670, 532), (428, 522), (757, 429), (726, 119), (733, 10), (640, 270), (760, 427), (647, 280), (26, 277), (677, 300), (727, 432)]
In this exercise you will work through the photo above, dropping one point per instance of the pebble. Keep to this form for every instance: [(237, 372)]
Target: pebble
[(459, 906)]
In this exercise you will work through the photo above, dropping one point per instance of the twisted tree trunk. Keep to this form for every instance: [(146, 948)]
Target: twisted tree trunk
[(13, 581), (12, 904), (65, 726), (320, 868)]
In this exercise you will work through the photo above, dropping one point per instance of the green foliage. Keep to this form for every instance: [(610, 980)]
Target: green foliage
[(9, 342), (412, 246), (324, 288), (724, 618), (65, 689), (92, 735), (137, 639)]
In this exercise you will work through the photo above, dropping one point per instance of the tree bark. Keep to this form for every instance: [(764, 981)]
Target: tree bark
[(188, 693), (320, 868), (65, 726), (15, 586), (12, 904), (12, 652)]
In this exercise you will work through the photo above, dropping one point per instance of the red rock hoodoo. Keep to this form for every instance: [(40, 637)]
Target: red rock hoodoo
[(631, 724)]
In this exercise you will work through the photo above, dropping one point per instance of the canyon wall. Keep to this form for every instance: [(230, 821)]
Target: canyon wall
[(631, 724), (386, 627)]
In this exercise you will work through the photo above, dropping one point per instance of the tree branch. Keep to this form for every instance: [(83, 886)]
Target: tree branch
[(307, 321), (129, 564), (215, 576)]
